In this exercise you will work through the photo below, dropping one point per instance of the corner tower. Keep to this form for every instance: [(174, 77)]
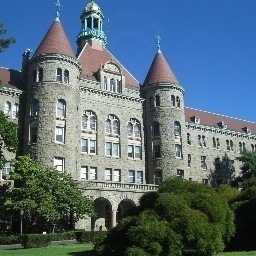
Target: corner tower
[(51, 130), (92, 28), (164, 121)]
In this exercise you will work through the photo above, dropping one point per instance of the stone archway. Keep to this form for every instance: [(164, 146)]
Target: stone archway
[(103, 210), (124, 208)]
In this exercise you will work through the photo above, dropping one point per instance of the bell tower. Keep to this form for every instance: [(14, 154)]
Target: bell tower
[(92, 28)]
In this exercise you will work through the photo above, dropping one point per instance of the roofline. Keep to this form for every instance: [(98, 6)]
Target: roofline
[(81, 52), (221, 115), (11, 69), (122, 66)]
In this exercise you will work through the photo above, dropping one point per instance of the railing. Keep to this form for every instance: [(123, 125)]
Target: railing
[(125, 186)]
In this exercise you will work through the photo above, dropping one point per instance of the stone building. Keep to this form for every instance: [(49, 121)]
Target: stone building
[(85, 114)]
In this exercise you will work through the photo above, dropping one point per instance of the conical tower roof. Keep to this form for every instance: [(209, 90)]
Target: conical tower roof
[(55, 41), (160, 71)]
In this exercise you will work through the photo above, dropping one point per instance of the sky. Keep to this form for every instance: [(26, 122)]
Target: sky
[(209, 44)]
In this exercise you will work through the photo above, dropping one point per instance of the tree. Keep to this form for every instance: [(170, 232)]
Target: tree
[(49, 199), (183, 218), (5, 42), (8, 137)]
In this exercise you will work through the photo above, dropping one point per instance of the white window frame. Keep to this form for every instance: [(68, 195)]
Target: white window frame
[(84, 173), (59, 164), (15, 110), (61, 112), (131, 177), (7, 108), (60, 131), (113, 149), (93, 173)]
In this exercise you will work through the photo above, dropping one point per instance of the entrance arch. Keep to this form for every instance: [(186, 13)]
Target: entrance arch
[(125, 207)]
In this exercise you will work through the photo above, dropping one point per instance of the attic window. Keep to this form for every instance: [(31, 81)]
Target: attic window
[(247, 130), (223, 125), (195, 119)]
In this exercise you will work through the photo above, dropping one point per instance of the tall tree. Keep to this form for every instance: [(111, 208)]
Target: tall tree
[(47, 197), (5, 42)]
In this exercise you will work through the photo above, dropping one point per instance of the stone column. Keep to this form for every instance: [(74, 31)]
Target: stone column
[(113, 219)]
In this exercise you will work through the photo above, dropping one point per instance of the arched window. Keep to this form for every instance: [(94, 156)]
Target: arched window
[(240, 147), (199, 140), (228, 145), (178, 101), (105, 83), (155, 129), (173, 100), (7, 108), (176, 128), (203, 141), (157, 101), (40, 74), (89, 121), (15, 110), (188, 139), (112, 84), (34, 108), (214, 142), (66, 76), (61, 108), (244, 148), (59, 75), (112, 125), (133, 128), (231, 145)]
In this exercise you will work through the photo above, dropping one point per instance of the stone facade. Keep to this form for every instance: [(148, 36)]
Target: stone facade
[(88, 116)]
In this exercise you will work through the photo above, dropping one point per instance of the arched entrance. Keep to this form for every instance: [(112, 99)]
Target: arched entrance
[(125, 208), (103, 210)]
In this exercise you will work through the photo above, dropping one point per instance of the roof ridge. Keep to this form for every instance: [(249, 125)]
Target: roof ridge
[(81, 52), (222, 115)]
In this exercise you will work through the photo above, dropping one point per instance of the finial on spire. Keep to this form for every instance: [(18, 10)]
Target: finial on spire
[(58, 6), (158, 38)]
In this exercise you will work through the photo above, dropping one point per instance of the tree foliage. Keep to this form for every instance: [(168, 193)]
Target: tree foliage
[(5, 42), (47, 197), (182, 218), (8, 137)]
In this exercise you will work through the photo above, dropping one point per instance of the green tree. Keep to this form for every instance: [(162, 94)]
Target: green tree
[(183, 218), (8, 137), (49, 199), (5, 42)]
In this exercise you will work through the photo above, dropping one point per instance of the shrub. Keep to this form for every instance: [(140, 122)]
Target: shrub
[(63, 236), (10, 239), (89, 236), (36, 240)]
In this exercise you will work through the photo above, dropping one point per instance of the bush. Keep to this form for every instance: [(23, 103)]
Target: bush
[(63, 236), (36, 240), (10, 239), (89, 236)]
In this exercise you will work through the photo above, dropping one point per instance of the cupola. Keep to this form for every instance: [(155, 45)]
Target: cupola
[(92, 27)]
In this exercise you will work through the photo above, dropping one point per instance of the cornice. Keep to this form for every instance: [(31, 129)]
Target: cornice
[(164, 85), (7, 90)]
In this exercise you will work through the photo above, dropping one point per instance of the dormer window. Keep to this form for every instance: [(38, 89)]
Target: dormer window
[(247, 130), (112, 85), (223, 125), (195, 119)]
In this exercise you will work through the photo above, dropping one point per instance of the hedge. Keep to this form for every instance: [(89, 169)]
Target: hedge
[(89, 236), (36, 240), (10, 239)]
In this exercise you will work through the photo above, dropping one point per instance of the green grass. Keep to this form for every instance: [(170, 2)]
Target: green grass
[(80, 250), (62, 250)]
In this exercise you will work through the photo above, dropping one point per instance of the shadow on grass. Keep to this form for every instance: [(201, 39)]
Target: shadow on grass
[(87, 253)]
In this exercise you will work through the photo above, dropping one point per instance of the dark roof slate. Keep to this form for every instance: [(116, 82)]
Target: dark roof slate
[(11, 78)]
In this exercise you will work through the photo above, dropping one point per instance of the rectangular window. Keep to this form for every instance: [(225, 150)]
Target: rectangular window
[(189, 160), (116, 149), (130, 151), (156, 151), (117, 175), (118, 86), (93, 173), (178, 150), (92, 146), (84, 143), (59, 134), (158, 177), (139, 177), (180, 173), (131, 176), (15, 110), (33, 133), (203, 162), (108, 148), (59, 75), (108, 174), (84, 173), (137, 152), (59, 164)]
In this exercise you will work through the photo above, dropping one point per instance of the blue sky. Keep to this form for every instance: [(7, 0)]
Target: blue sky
[(209, 44)]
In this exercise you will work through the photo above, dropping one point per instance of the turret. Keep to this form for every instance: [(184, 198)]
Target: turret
[(164, 121), (52, 101), (92, 28)]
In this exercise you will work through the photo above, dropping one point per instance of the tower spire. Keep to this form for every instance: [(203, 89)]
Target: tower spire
[(58, 6), (158, 38)]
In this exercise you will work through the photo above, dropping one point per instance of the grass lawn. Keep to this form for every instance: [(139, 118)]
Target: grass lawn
[(80, 250), (62, 250)]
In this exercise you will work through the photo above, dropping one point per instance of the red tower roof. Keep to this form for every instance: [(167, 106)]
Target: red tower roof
[(55, 41), (160, 71)]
